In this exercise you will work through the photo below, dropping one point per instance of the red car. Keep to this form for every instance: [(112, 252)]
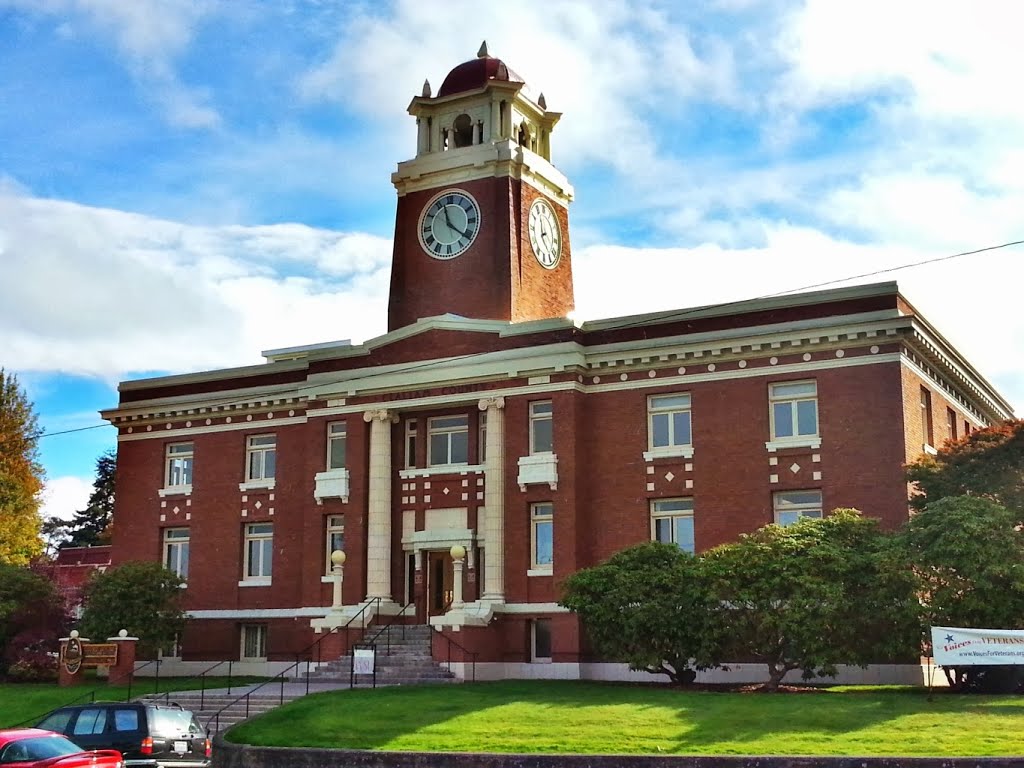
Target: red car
[(36, 748)]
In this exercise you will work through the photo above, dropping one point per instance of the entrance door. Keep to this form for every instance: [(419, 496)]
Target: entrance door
[(440, 581)]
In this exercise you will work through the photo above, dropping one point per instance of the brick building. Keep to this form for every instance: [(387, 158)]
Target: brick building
[(485, 419)]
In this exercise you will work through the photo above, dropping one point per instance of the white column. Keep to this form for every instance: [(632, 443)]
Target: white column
[(494, 499), (495, 120), (378, 545)]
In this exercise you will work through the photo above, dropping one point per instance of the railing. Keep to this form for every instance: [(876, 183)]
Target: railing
[(457, 644), (385, 629), (131, 678), (201, 677), (281, 676)]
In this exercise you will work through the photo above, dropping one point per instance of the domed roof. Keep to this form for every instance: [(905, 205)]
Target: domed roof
[(476, 73)]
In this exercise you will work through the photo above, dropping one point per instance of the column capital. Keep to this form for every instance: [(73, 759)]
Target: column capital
[(491, 402), (380, 414)]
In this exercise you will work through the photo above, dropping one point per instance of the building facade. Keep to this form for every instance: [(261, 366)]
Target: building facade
[(486, 420)]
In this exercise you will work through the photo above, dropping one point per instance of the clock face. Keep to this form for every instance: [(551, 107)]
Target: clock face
[(449, 224), (545, 235)]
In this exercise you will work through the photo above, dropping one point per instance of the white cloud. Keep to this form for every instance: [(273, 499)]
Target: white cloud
[(63, 496), (101, 292), (148, 35)]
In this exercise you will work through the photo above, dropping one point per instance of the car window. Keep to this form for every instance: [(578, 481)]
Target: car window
[(172, 722), (126, 720), (57, 721), (38, 748), (90, 721)]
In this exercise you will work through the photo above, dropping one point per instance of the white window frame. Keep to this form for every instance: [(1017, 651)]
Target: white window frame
[(435, 427), (669, 405), (777, 396), (174, 545), (337, 433), (794, 504), (534, 658), (673, 510), (542, 514), (260, 446), (179, 464), (260, 641), (541, 411), (411, 427), (334, 525), (263, 533)]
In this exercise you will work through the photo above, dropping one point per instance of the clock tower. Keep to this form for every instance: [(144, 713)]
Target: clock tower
[(482, 227)]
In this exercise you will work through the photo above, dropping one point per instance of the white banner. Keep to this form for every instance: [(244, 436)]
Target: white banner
[(362, 661), (957, 646)]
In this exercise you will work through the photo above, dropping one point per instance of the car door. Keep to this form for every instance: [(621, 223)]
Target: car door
[(127, 729), (89, 729)]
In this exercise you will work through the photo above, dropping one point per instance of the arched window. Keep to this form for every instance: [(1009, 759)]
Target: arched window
[(463, 127)]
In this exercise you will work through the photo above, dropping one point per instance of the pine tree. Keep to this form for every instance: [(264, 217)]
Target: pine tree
[(91, 526), (21, 475)]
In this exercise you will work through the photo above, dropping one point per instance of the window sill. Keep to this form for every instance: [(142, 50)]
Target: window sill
[(539, 572), (810, 441), (257, 485), (672, 451), (177, 490), (254, 583), (931, 450), (440, 469)]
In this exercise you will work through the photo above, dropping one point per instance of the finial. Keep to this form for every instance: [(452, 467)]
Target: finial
[(542, 102), (426, 88), (482, 53)]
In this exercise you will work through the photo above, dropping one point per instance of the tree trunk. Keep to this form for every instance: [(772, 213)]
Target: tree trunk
[(775, 674)]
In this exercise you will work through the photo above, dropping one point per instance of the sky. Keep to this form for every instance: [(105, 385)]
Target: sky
[(185, 183)]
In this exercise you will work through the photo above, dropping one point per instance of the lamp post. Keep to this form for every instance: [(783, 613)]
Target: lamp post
[(337, 565), (458, 553)]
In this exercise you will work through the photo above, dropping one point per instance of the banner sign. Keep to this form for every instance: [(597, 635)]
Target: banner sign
[(362, 661), (959, 646)]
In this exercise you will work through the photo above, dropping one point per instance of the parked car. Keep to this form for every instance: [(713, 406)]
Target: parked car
[(148, 735), (36, 748)]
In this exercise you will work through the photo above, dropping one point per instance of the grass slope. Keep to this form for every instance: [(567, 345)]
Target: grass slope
[(591, 718)]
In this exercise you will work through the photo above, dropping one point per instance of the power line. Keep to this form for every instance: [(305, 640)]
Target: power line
[(670, 316)]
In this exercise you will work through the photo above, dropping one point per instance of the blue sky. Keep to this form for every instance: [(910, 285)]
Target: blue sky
[(184, 183)]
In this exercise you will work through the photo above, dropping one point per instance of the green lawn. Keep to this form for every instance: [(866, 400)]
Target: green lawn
[(29, 701), (590, 718)]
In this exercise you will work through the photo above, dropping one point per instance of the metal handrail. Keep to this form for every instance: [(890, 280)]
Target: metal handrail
[(131, 677), (382, 628), (36, 718), (457, 644), (215, 717), (201, 677)]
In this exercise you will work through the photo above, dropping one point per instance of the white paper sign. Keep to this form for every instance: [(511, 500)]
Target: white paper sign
[(960, 646), (362, 661)]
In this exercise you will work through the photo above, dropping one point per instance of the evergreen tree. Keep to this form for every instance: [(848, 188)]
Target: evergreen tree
[(21, 475), (92, 526)]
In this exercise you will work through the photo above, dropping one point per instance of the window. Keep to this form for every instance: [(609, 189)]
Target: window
[(449, 440), (790, 506), (176, 551), (541, 427), (90, 722), (542, 518), (794, 409), (482, 437), (672, 522), (336, 445), (669, 421), (259, 551), (179, 466), (254, 641), (967, 427), (540, 640), (126, 719), (261, 457), (411, 426), (926, 417), (335, 538), (951, 423)]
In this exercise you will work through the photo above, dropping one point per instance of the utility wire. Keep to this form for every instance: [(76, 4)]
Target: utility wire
[(671, 316)]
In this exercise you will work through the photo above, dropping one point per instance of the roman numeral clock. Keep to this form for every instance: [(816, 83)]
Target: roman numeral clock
[(481, 228), (449, 224)]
